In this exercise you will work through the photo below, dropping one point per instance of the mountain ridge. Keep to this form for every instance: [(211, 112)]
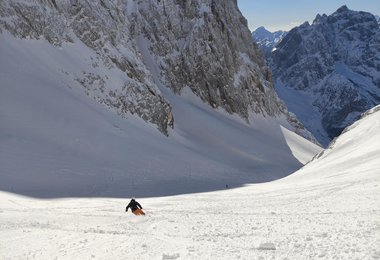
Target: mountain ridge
[(327, 72)]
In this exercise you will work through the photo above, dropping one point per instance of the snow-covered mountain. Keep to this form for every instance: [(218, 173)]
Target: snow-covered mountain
[(267, 40), (328, 210), (328, 72), (378, 19), (136, 49), (188, 68)]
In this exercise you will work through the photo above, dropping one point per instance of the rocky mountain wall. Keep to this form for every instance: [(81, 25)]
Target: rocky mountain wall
[(333, 64), (202, 45)]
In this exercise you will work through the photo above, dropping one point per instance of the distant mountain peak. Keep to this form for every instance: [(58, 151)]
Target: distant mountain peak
[(267, 40), (320, 18), (342, 9), (261, 29), (328, 72)]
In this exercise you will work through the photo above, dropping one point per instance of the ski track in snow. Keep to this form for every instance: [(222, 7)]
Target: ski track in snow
[(329, 221)]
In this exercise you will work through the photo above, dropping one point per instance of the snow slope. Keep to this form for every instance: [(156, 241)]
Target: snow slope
[(56, 141), (327, 210)]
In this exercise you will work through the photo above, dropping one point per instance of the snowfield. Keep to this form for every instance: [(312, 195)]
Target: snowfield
[(327, 210)]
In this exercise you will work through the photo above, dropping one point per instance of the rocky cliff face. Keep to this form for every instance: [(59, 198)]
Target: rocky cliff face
[(267, 40), (156, 45), (328, 72), (107, 28)]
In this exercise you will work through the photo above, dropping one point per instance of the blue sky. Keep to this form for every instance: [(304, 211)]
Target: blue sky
[(285, 14)]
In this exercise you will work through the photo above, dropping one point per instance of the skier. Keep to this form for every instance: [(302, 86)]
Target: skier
[(135, 207)]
